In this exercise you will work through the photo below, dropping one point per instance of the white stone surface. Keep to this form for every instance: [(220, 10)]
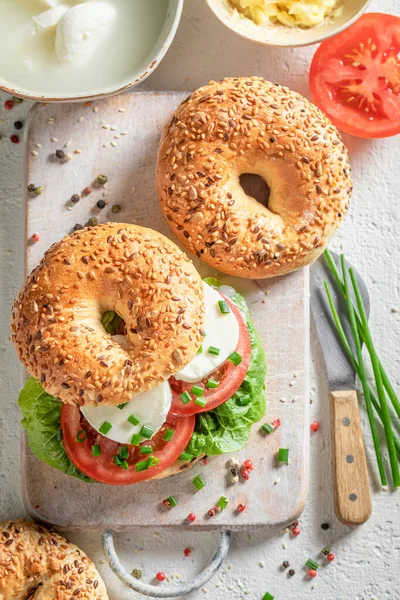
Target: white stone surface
[(367, 563)]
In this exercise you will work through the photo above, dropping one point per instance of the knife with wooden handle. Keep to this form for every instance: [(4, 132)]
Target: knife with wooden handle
[(351, 482)]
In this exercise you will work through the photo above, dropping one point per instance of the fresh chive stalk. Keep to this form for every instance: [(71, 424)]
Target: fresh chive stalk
[(142, 465), (235, 358), (311, 564), (185, 397), (388, 386), (224, 307), (200, 402), (387, 425), (212, 384), (223, 502), (147, 431), (123, 452), (283, 455), (185, 456), (268, 596), (172, 501), (121, 406), (146, 449), (361, 332), (134, 420), (105, 428), (135, 439), (96, 450), (267, 428), (363, 376), (213, 350), (197, 390)]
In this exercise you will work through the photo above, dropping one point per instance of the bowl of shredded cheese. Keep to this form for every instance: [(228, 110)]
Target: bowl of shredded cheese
[(290, 22)]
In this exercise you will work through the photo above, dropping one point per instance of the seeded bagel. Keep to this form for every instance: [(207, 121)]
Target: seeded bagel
[(248, 125), (38, 563), (137, 272)]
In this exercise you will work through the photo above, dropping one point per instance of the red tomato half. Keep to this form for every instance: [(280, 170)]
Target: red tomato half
[(229, 376), (355, 77), (102, 468)]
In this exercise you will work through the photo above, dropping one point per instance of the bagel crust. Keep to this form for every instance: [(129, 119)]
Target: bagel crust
[(34, 558), (249, 125), (137, 272)]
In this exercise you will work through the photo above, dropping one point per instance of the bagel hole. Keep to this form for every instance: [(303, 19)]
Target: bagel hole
[(255, 186)]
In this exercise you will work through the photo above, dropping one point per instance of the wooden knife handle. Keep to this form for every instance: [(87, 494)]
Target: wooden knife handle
[(351, 481)]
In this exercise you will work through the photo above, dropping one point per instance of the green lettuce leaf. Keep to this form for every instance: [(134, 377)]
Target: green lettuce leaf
[(227, 427), (41, 420)]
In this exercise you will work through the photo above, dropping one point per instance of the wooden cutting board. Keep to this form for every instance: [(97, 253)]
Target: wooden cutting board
[(119, 137)]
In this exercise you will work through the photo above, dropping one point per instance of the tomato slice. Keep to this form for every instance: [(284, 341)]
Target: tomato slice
[(228, 376), (102, 468), (355, 77)]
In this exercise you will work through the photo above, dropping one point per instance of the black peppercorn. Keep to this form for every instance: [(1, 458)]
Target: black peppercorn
[(291, 572), (31, 187), (325, 526), (100, 204), (75, 198), (18, 124), (285, 564), (60, 154), (78, 226)]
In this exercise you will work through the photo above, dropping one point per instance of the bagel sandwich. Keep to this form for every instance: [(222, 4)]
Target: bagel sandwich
[(138, 367)]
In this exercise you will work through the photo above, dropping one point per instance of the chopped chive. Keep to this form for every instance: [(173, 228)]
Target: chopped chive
[(146, 449), (311, 564), (59, 434), (268, 596), (147, 431), (267, 428), (213, 350), (224, 307), (134, 419), (105, 428), (123, 452), (153, 461), (283, 455), (185, 397), (197, 390), (120, 463), (172, 501), (135, 439), (185, 456), (223, 502), (96, 451), (81, 436), (199, 482), (244, 400), (212, 384), (235, 358), (168, 435), (200, 350), (143, 465), (121, 406), (200, 402)]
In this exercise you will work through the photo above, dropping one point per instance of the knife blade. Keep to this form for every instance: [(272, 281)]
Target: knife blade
[(351, 483)]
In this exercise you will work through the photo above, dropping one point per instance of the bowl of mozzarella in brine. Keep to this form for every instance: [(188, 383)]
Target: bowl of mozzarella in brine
[(62, 50)]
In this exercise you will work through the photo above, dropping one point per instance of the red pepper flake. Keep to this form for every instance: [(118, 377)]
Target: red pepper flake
[(205, 461), (276, 423), (296, 531), (14, 138), (187, 551), (87, 190), (314, 426), (212, 512), (241, 508), (35, 237), (248, 464), (245, 473), (160, 576), (330, 557), (8, 104), (191, 517)]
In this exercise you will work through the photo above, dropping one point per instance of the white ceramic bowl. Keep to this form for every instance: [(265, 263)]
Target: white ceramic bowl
[(280, 35), (138, 75)]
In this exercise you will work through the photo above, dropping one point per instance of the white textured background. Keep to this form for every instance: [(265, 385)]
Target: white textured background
[(367, 566)]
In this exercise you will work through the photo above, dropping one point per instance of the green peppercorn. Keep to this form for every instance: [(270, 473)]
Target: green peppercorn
[(16, 100), (93, 221), (116, 208), (38, 190), (102, 179), (137, 573)]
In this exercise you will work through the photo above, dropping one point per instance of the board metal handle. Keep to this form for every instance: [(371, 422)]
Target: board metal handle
[(180, 589)]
